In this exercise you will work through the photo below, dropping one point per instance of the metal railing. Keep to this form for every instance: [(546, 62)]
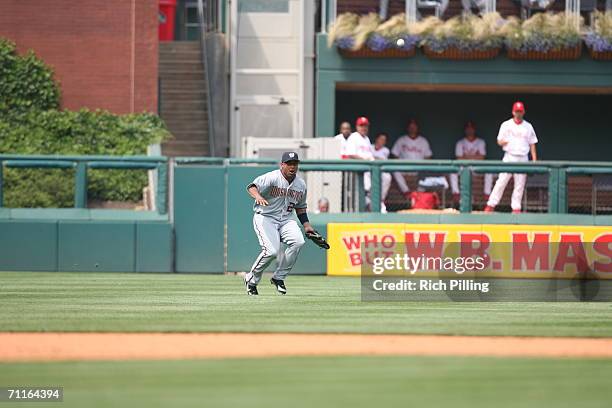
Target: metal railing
[(557, 172), (82, 163), (205, 27)]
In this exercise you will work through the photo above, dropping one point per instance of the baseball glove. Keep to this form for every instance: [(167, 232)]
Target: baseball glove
[(318, 239)]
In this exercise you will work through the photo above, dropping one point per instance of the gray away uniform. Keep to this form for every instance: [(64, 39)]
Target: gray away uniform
[(273, 223)]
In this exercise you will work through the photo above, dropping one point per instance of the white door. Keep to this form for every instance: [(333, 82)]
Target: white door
[(266, 70)]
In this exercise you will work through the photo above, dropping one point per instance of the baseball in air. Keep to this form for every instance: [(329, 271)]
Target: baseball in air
[(400, 42)]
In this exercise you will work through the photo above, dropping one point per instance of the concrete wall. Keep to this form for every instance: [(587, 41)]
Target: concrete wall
[(104, 53)]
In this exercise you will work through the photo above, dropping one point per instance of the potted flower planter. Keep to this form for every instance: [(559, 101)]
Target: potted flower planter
[(560, 54), (598, 38), (453, 53), (600, 55), (366, 52)]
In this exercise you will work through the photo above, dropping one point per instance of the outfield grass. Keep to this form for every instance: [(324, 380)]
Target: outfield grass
[(190, 303), (324, 382)]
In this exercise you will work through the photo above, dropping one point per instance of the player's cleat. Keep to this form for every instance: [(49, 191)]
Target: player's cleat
[(383, 207), (280, 286), (250, 289), (489, 209)]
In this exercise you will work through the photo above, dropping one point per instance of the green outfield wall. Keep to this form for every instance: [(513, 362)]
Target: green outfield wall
[(203, 205), (209, 226), (84, 240)]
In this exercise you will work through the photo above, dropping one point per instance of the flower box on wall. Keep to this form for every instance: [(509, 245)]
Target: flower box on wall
[(365, 52), (552, 55), (453, 53), (600, 55), (598, 38)]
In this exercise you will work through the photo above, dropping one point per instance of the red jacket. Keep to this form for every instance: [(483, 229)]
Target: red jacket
[(422, 200)]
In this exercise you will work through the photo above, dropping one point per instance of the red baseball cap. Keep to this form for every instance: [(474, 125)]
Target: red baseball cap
[(518, 107), (363, 121)]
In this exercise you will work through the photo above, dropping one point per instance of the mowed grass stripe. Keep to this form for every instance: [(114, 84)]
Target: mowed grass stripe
[(33, 301), (325, 382)]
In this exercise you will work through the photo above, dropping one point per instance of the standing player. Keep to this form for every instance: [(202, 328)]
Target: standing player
[(517, 138), (345, 132), (411, 146), (470, 147), (358, 146), (381, 152), (277, 194)]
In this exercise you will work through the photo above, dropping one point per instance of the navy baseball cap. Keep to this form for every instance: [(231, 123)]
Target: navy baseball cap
[(290, 156)]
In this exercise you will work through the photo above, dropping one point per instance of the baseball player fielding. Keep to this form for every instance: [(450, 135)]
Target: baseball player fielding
[(277, 195)]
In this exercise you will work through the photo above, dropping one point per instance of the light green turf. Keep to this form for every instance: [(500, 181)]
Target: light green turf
[(324, 382), (150, 302)]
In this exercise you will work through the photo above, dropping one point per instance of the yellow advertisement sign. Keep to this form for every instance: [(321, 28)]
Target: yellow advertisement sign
[(537, 251)]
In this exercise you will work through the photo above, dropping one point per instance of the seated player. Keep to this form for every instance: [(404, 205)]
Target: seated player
[(470, 147), (411, 146), (359, 147)]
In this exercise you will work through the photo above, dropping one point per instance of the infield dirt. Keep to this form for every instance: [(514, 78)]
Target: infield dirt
[(162, 346)]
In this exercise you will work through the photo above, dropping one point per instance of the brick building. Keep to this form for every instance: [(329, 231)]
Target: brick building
[(104, 53)]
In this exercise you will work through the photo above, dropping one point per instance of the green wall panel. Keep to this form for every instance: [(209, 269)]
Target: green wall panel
[(28, 245), (153, 247), (481, 218), (49, 214), (97, 246), (242, 245), (199, 208), (603, 220)]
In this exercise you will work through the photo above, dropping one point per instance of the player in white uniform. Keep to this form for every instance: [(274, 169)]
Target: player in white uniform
[(277, 194), (381, 152), (470, 147), (345, 132), (359, 147), (517, 138), (410, 147)]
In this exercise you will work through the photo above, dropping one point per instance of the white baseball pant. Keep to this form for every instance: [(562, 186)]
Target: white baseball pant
[(401, 181), (502, 181), (270, 234), (385, 184), (488, 183)]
